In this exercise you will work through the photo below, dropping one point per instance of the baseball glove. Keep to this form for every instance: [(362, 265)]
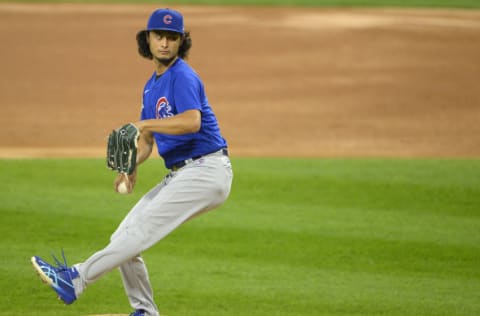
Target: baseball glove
[(122, 149)]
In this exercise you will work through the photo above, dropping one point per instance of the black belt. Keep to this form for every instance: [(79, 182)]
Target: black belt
[(182, 164)]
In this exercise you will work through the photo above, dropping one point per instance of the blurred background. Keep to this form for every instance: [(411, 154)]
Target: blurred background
[(284, 81)]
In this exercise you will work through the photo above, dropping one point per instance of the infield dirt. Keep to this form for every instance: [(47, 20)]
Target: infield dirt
[(283, 81)]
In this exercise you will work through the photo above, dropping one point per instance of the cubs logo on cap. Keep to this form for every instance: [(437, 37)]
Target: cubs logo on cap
[(166, 20)]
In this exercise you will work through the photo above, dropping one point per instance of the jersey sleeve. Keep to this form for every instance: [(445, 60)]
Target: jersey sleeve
[(143, 115), (143, 112), (189, 92)]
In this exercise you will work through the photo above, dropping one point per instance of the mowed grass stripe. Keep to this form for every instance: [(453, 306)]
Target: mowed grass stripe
[(313, 3)]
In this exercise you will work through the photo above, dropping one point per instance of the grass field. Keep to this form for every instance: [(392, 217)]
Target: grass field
[(296, 237), (327, 3)]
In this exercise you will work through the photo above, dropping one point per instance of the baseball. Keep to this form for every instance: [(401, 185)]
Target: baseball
[(122, 187)]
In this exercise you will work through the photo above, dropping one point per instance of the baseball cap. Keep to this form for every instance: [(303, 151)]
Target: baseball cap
[(166, 20)]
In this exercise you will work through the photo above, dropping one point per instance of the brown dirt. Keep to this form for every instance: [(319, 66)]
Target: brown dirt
[(283, 81), (110, 315)]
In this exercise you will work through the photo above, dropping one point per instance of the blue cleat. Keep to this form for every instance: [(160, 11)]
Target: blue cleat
[(59, 277), (138, 312)]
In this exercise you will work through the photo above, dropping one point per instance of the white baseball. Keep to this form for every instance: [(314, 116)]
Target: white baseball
[(122, 188)]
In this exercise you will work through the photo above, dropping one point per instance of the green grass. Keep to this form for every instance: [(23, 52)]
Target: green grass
[(319, 3), (296, 237)]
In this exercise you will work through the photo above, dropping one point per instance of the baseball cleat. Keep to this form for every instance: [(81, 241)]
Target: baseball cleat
[(58, 277), (138, 312)]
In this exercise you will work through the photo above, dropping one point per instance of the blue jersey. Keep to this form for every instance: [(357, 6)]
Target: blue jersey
[(177, 90)]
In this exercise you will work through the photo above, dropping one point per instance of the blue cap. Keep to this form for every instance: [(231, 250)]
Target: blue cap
[(166, 20)]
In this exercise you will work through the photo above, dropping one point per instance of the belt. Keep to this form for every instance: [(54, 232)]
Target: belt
[(183, 163)]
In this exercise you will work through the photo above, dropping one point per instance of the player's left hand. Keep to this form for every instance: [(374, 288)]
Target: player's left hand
[(122, 148)]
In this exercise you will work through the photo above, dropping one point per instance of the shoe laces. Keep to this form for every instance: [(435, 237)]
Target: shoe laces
[(60, 266)]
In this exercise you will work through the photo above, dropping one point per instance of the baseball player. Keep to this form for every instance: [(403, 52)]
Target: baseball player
[(177, 116)]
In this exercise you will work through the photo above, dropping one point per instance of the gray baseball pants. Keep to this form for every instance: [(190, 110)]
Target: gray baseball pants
[(199, 186)]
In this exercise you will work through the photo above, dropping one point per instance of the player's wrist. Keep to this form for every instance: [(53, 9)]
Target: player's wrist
[(145, 126)]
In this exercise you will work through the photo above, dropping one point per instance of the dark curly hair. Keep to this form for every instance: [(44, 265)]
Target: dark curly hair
[(144, 49)]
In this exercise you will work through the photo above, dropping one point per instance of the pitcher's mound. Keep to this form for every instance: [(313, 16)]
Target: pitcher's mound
[(112, 315)]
